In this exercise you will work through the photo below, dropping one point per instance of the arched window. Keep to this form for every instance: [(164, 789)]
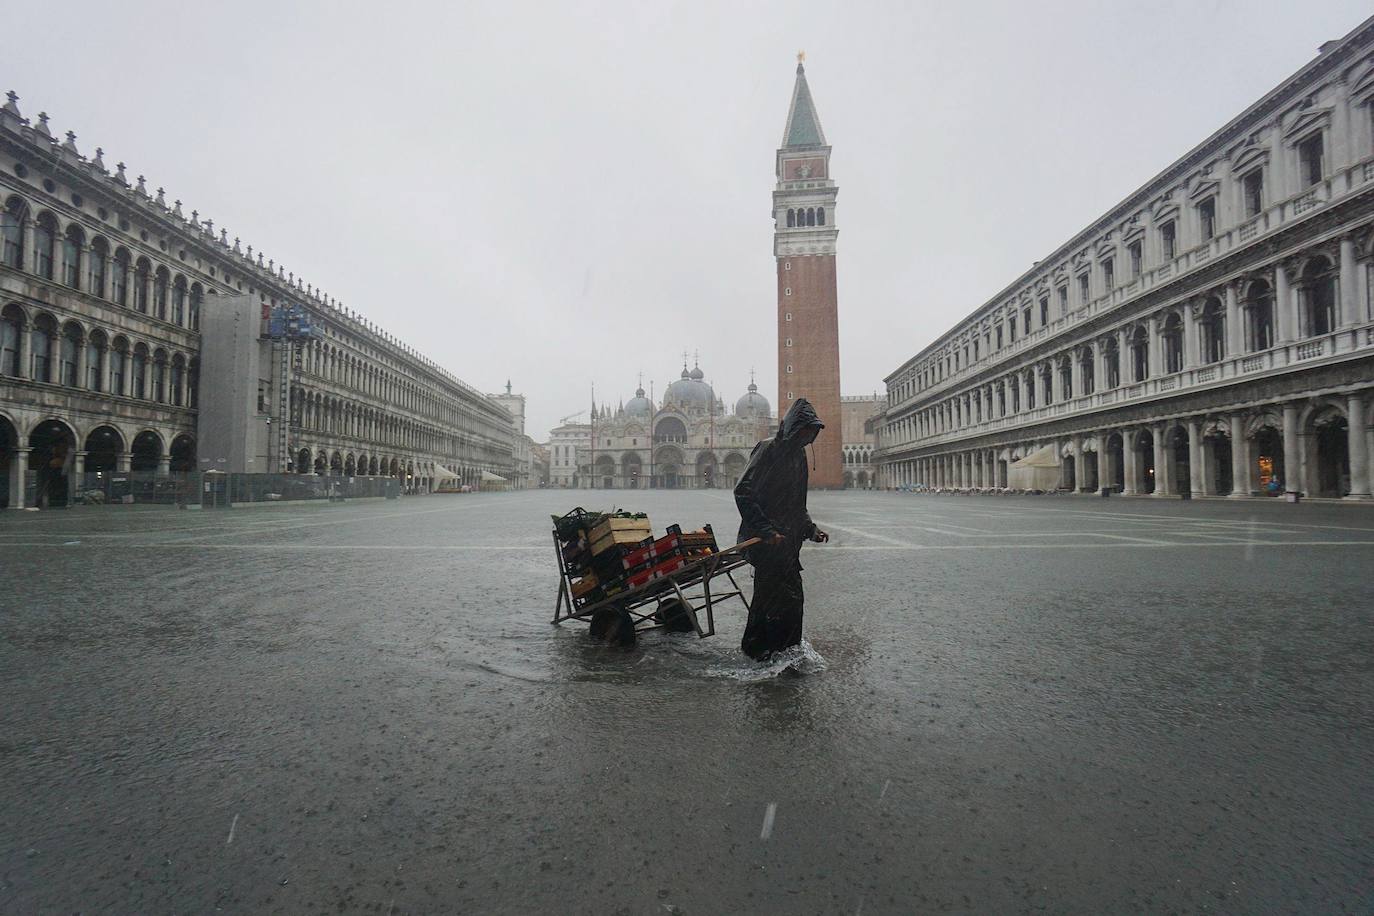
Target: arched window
[(1086, 370), (11, 328), (119, 354), (142, 273), (197, 296), (1111, 357), (40, 349), (1172, 337), (67, 355), (179, 302), (95, 346), (161, 284), (791, 219), (119, 278), (820, 216), (1066, 378), (1140, 355), (1318, 297), (138, 373), (95, 274), (44, 238), (1259, 317), (1213, 331), (72, 243), (1030, 390), (810, 216), (12, 233), (178, 379)]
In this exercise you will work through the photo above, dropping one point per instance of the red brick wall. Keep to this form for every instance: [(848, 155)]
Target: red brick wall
[(814, 355)]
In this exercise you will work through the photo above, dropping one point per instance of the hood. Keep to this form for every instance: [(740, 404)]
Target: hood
[(799, 416)]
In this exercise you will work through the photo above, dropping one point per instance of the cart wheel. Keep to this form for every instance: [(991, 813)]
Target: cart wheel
[(613, 624), (672, 613)]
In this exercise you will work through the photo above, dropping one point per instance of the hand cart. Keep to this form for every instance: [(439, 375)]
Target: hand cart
[(689, 584)]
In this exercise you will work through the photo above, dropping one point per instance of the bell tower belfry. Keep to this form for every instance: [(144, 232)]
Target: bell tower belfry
[(804, 235)]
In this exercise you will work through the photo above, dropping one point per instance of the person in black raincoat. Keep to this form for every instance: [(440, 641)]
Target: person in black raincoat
[(771, 496)]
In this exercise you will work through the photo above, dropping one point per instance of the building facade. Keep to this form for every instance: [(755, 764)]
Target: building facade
[(103, 286), (690, 441), (523, 457), (857, 433), (1211, 334), (804, 238)]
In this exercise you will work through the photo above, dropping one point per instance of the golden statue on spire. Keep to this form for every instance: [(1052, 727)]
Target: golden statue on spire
[(801, 57)]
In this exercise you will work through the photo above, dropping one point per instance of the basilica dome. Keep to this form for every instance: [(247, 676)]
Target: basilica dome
[(753, 405), (690, 391), (639, 406)]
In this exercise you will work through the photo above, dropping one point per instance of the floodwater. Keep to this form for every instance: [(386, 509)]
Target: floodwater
[(1057, 704)]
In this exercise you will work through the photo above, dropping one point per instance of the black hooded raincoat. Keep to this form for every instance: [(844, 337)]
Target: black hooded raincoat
[(771, 496)]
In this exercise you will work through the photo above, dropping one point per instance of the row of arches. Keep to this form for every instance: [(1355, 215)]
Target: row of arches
[(1297, 300), (1319, 448), (799, 217), (49, 462), (327, 414), (856, 454), (670, 469), (1190, 335), (68, 254), (40, 347)]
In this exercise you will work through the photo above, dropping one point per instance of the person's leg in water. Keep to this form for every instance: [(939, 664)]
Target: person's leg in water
[(775, 615)]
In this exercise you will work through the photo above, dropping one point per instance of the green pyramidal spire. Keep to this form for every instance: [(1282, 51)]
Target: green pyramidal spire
[(803, 125)]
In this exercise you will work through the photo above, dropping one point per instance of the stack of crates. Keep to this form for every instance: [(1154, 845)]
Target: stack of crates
[(604, 555), (592, 546)]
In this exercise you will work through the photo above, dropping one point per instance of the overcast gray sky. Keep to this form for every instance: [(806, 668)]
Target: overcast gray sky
[(568, 193)]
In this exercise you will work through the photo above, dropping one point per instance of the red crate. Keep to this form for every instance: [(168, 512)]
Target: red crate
[(663, 547)]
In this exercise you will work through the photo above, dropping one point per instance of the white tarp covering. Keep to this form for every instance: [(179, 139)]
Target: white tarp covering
[(442, 473), (489, 477), (1037, 471)]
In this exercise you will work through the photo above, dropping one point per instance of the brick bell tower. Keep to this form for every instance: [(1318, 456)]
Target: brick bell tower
[(804, 237)]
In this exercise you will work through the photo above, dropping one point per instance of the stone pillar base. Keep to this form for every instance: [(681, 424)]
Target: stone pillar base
[(1358, 496)]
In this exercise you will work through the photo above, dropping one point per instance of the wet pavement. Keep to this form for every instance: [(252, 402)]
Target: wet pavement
[(1035, 704)]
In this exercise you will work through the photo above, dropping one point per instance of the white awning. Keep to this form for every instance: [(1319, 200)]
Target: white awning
[(494, 478), (1045, 457), (443, 473)]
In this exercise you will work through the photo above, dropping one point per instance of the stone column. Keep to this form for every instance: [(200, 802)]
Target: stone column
[(1078, 476), (1292, 454), (81, 363), (1350, 303), (25, 351), (30, 249), (1156, 351), (1198, 483), (1285, 315), (1359, 456), (78, 471), (164, 465), (1192, 351), (104, 368), (19, 467), (1235, 329), (1240, 458), (1103, 466), (1162, 463), (124, 461), (1130, 466)]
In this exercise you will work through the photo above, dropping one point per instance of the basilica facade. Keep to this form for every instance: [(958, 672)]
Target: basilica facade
[(692, 440), (1211, 335)]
